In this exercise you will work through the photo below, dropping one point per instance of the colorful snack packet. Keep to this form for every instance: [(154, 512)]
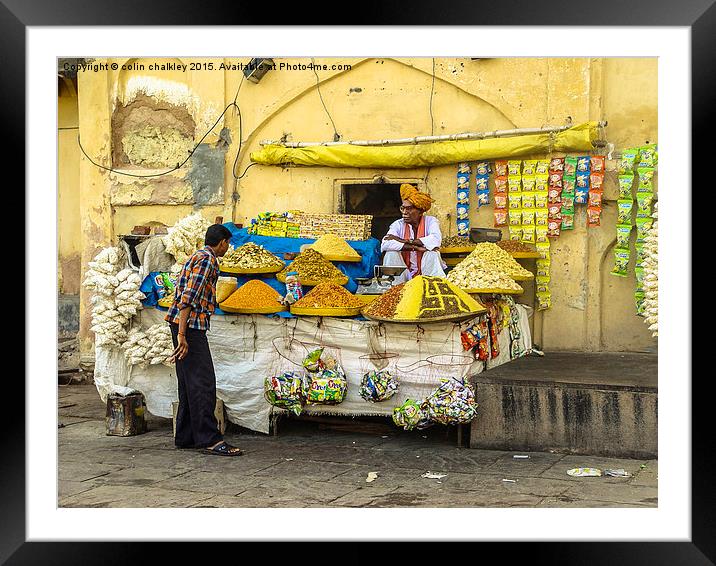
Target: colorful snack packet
[(542, 167), (514, 167), (647, 156), (541, 234), (568, 184), (646, 176), (541, 182), (570, 166), (593, 216), (542, 249), (463, 228), (541, 199), (462, 212), (625, 182), (544, 300), (643, 201), (621, 262), (500, 218), (501, 185), (639, 297), (482, 168), (556, 164), (555, 211), (528, 199), (542, 283), (463, 181), (543, 266), (554, 227), (481, 183), (567, 201), (514, 182), (596, 180), (583, 163), (463, 196), (554, 195), (643, 225), (529, 167), (516, 233), (624, 207), (528, 234), (627, 160), (640, 253), (597, 163), (568, 219), (500, 201), (515, 216), (582, 181), (483, 198), (528, 182), (528, 218), (555, 180), (501, 168), (639, 274), (595, 198), (541, 216), (623, 235), (514, 198), (581, 195), (463, 167)]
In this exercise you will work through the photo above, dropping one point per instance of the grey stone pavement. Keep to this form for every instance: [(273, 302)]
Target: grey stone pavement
[(321, 464)]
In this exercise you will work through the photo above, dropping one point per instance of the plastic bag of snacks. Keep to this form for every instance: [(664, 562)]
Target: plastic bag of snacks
[(284, 391), (410, 415), (380, 376), (324, 381), (453, 402)]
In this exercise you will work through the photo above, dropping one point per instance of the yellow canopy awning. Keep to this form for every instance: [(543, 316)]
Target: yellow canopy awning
[(577, 138)]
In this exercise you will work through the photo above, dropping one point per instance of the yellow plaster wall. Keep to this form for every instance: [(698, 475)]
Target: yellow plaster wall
[(390, 98)]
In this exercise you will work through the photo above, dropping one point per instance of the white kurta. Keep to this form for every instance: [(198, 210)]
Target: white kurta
[(432, 240)]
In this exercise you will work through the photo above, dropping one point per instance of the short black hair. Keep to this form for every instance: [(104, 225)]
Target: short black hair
[(215, 233)]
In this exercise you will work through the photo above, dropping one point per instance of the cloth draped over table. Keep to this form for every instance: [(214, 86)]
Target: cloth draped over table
[(244, 354), (577, 138)]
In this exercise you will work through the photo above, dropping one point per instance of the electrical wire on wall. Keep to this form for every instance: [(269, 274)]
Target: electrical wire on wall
[(432, 89), (336, 135)]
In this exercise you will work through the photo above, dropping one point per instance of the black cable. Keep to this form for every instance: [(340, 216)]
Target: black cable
[(432, 88), (245, 170), (178, 166), (336, 135)]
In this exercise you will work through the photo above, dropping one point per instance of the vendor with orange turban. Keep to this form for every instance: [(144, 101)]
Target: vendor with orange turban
[(413, 241)]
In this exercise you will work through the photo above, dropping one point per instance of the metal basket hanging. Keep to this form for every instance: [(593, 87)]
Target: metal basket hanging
[(380, 378)]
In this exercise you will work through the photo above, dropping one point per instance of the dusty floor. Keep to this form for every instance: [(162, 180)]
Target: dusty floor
[(312, 464)]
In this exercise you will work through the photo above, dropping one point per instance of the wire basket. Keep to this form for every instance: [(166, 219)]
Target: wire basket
[(283, 386), (380, 377), (453, 400)]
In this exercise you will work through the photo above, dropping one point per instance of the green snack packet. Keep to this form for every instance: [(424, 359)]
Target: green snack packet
[(625, 183), (623, 234), (639, 272), (624, 207), (621, 262), (408, 415), (312, 361), (627, 160), (570, 166), (647, 156), (643, 225), (639, 247), (168, 284), (639, 300), (646, 177), (643, 201), (568, 219)]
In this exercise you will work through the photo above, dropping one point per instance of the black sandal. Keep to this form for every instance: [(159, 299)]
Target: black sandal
[(224, 449)]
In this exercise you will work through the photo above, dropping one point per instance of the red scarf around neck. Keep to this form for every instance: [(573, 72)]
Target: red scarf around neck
[(406, 236)]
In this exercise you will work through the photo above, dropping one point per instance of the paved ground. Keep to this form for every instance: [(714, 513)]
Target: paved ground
[(312, 464)]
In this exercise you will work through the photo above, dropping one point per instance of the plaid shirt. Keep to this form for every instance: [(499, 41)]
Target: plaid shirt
[(196, 288)]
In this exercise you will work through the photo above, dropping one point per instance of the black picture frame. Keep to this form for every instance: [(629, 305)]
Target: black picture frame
[(699, 15)]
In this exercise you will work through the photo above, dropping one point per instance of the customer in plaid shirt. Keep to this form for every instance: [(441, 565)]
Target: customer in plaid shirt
[(188, 317)]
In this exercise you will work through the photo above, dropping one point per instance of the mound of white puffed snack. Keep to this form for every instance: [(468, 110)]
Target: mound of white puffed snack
[(651, 275), (151, 346), (184, 238), (117, 297)]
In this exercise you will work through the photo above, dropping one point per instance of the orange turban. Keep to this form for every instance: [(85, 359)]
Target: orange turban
[(412, 194)]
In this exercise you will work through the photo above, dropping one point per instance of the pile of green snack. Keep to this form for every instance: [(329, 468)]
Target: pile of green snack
[(285, 391), (453, 402), (378, 385), (324, 381)]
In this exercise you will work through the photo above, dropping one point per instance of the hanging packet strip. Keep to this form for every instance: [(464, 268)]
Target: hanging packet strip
[(555, 211), (463, 199), (646, 176), (621, 262), (463, 228), (555, 179), (482, 183), (623, 235), (624, 208)]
